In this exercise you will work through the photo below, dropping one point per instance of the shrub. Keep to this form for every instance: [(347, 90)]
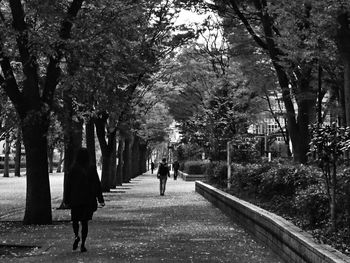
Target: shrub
[(217, 173), (286, 179), (311, 205), (194, 167), (343, 194), (248, 177)]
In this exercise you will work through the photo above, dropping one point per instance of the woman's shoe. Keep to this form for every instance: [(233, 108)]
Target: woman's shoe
[(83, 249), (76, 242)]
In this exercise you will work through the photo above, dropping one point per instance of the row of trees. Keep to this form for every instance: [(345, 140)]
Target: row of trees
[(300, 49), (66, 65), (307, 44)]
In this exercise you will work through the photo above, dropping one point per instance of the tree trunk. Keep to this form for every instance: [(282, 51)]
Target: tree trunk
[(60, 161), (106, 148), (50, 153), (113, 166), (143, 158), (113, 173), (298, 127), (90, 140), (18, 155), (319, 96), (108, 162), (347, 89), (7, 157), (343, 42), (127, 160), (38, 199), (135, 156), (106, 168), (306, 100), (119, 175)]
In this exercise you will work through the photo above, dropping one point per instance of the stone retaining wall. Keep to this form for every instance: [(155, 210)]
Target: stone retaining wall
[(288, 241), (192, 177)]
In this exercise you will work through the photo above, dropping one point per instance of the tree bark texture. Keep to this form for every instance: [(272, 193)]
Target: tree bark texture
[(18, 156), (60, 161), (143, 158), (107, 144), (343, 42), (113, 178), (7, 157), (90, 140), (127, 156), (135, 156), (38, 197), (119, 175), (113, 166), (50, 156)]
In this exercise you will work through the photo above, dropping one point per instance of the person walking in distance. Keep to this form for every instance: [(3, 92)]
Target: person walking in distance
[(176, 167), (152, 167), (82, 189), (163, 174)]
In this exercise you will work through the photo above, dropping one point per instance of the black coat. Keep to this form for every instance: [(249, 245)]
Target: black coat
[(83, 188)]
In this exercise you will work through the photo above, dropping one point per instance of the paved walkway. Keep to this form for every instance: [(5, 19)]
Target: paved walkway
[(138, 225)]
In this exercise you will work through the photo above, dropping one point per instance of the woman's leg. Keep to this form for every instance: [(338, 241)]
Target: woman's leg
[(84, 233), (76, 233), (76, 228)]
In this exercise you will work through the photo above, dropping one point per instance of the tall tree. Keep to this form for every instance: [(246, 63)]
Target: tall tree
[(40, 50), (261, 20)]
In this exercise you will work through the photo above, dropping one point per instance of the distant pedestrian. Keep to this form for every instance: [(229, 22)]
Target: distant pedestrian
[(82, 189), (152, 167), (163, 174), (176, 167)]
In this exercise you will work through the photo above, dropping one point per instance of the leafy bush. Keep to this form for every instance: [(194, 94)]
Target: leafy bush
[(296, 192), (343, 194), (194, 167), (248, 177), (217, 173), (311, 205), (286, 179)]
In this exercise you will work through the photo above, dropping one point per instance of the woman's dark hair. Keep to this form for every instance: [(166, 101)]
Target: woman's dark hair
[(83, 157)]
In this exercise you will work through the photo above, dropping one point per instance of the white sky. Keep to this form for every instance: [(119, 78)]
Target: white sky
[(187, 17)]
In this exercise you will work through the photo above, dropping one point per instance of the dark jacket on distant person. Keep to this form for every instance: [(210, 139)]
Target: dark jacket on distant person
[(176, 165), (163, 170)]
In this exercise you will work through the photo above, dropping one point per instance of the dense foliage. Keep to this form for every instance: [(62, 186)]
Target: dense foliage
[(293, 191)]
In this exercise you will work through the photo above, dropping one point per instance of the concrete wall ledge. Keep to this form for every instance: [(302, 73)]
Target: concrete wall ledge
[(192, 177), (288, 241)]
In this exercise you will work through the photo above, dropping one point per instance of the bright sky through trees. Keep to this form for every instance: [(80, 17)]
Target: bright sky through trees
[(191, 18), (188, 17)]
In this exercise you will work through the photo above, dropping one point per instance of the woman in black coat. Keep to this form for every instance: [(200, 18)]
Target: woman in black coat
[(82, 189)]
